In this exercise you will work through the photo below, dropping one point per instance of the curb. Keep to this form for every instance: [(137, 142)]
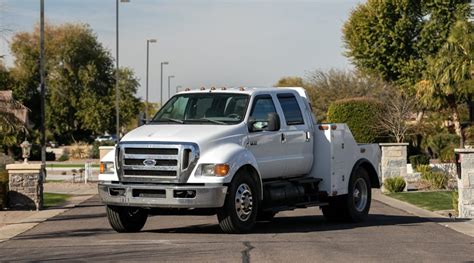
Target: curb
[(463, 226), (11, 230)]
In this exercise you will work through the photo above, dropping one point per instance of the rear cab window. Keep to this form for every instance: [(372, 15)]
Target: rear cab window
[(291, 109)]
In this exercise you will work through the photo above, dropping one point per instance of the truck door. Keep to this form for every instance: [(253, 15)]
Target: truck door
[(266, 146), (297, 136)]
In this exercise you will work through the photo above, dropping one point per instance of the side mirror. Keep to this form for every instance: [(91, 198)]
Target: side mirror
[(273, 122)]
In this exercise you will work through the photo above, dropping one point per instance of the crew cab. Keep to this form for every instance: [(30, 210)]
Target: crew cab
[(244, 154)]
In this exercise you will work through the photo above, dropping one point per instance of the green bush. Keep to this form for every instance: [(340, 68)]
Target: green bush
[(442, 145), (417, 160), (63, 157), (395, 184), (423, 168), (3, 187), (360, 114), (436, 180)]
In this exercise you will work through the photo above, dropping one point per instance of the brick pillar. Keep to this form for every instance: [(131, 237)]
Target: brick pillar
[(394, 160), (466, 183), (25, 186)]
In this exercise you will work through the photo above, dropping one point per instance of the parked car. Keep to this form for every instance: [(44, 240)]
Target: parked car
[(106, 138)]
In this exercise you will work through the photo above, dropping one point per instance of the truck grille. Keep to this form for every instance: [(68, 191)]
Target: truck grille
[(156, 162)]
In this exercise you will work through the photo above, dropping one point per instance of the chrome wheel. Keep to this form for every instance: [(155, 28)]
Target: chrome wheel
[(243, 202), (360, 194)]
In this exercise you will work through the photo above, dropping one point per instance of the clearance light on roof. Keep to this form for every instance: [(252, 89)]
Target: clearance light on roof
[(213, 88), (242, 88), (326, 127), (187, 89), (202, 88), (223, 88)]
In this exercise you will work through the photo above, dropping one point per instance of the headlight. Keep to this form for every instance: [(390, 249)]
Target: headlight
[(106, 167), (221, 169)]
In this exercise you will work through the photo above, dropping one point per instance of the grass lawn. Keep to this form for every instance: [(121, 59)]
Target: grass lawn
[(52, 199), (433, 201)]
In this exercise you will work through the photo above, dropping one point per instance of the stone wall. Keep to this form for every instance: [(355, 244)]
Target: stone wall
[(466, 183), (25, 186), (394, 160)]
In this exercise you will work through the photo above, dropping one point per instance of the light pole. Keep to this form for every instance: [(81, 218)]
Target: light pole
[(169, 85), (42, 88), (147, 66), (161, 85), (117, 91), (177, 88)]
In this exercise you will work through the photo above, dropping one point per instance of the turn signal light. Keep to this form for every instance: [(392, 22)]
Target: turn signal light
[(102, 168), (221, 169)]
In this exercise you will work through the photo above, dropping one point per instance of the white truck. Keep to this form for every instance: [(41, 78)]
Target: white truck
[(241, 153)]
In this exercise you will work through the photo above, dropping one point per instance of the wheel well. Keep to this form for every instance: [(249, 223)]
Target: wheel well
[(249, 169), (367, 166)]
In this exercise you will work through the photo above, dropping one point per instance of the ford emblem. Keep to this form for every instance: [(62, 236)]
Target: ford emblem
[(149, 162)]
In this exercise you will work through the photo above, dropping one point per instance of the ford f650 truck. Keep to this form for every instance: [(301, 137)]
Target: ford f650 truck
[(244, 154)]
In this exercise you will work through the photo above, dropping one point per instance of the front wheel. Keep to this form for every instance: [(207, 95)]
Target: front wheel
[(239, 213), (126, 219), (353, 207)]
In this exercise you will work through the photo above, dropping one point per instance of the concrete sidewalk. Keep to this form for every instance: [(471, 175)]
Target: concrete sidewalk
[(13, 223), (464, 226)]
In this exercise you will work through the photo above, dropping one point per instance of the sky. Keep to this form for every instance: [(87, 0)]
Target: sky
[(207, 42)]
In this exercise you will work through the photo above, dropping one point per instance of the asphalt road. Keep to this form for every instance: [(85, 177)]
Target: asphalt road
[(390, 235)]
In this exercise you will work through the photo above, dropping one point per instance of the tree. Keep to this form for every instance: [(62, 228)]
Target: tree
[(79, 79), (393, 39), (397, 113), (325, 88), (290, 82), (447, 81)]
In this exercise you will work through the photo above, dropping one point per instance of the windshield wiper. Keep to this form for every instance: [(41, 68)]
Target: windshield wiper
[(170, 119), (213, 121)]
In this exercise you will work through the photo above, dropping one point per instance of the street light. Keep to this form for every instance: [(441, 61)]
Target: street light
[(169, 85), (147, 65), (42, 88), (117, 91), (178, 88), (161, 85)]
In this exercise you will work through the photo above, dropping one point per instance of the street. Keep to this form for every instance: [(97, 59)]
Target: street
[(83, 234)]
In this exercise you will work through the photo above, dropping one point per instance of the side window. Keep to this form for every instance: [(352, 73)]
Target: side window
[(262, 106), (291, 109)]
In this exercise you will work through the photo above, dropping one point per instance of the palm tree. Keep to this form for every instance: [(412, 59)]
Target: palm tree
[(448, 77)]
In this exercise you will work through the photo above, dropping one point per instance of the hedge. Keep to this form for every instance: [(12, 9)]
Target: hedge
[(360, 114)]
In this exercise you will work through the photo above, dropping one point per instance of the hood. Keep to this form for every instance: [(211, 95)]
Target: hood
[(184, 133)]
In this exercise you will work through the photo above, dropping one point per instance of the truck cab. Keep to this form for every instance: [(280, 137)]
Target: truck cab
[(241, 153)]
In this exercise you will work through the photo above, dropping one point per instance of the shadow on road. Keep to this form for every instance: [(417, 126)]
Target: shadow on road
[(304, 224)]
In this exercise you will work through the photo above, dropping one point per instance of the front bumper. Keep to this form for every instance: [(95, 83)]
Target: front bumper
[(165, 196)]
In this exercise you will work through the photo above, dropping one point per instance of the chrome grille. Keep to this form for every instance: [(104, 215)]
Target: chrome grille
[(156, 162)]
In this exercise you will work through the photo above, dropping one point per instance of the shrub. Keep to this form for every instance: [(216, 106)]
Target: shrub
[(437, 180), (360, 114), (3, 188), (63, 157), (442, 145), (395, 184), (417, 160), (423, 168)]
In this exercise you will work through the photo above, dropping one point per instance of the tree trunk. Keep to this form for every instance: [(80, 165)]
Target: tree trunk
[(457, 124), (419, 116)]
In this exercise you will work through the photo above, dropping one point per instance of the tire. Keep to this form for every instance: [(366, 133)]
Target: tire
[(266, 215), (353, 207), (239, 213), (126, 219)]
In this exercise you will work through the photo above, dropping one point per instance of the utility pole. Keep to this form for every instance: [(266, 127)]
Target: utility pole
[(161, 85), (147, 66), (169, 85), (42, 88)]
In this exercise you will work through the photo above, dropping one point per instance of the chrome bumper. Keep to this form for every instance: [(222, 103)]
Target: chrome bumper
[(165, 196)]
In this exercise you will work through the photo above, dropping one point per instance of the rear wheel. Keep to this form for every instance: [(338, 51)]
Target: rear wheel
[(126, 219), (354, 206), (239, 213)]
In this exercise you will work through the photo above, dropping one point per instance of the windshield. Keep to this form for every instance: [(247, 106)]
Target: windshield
[(209, 108)]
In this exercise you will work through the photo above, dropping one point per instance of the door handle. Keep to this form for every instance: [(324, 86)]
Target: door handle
[(308, 136), (283, 138)]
